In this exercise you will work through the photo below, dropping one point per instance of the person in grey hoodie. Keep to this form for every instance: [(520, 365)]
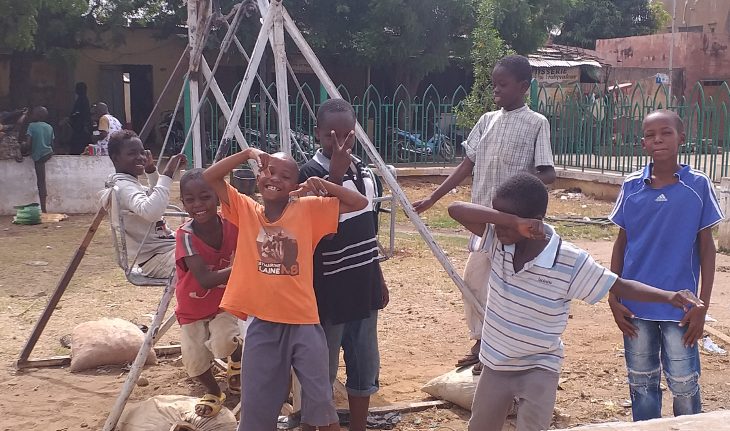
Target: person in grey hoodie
[(143, 207)]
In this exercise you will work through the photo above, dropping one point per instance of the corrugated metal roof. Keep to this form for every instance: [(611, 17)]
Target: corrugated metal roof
[(544, 62)]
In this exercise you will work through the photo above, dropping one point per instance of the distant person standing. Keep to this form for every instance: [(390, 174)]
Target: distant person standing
[(80, 120), (40, 140), (107, 124)]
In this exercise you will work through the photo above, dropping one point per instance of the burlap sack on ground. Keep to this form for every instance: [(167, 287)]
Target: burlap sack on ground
[(106, 342), (456, 386), (161, 412)]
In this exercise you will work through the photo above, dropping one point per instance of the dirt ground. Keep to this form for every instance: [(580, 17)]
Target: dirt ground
[(422, 332)]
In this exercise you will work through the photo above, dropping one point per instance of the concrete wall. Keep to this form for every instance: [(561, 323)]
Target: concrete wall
[(711, 15), (73, 182), (703, 56), (714, 421)]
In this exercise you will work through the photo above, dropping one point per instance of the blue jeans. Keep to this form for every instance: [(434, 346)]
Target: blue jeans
[(658, 347), (359, 340)]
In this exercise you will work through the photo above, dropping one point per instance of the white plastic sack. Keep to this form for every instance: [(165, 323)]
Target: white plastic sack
[(162, 412), (106, 342), (456, 387)]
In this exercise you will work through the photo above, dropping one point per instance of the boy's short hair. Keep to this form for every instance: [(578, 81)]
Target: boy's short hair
[(334, 105), (678, 123), (117, 139), (191, 175), (527, 194), (518, 66)]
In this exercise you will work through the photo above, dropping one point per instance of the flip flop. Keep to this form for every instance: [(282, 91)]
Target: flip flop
[(213, 402), (470, 358), (233, 370)]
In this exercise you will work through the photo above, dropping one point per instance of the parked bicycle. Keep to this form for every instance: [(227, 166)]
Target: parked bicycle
[(410, 147)]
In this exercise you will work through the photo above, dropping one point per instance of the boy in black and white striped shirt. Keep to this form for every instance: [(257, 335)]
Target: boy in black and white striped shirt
[(348, 280)]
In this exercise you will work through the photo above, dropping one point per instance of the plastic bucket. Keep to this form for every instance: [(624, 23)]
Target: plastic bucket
[(244, 180)]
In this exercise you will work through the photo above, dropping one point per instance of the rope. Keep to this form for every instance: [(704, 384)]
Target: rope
[(172, 120)]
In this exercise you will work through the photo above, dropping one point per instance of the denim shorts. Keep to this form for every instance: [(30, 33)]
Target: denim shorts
[(359, 341)]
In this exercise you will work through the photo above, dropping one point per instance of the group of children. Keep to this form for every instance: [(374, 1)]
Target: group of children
[(302, 268)]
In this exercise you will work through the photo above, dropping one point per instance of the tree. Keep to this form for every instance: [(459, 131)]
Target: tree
[(408, 38), (487, 48), (504, 27), (604, 19), (524, 24), (31, 27)]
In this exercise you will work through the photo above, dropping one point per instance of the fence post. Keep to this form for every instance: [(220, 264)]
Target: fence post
[(534, 93)]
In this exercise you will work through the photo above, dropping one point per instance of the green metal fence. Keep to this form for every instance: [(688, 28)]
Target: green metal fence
[(600, 128), (596, 128), (405, 128)]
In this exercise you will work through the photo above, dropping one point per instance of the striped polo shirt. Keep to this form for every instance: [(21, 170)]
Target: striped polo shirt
[(527, 311)]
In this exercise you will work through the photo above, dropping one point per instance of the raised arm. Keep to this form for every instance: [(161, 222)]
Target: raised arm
[(215, 175), (476, 217), (350, 200)]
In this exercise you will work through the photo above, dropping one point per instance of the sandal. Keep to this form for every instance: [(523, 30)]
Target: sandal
[(213, 402), (467, 360), (470, 358), (233, 372)]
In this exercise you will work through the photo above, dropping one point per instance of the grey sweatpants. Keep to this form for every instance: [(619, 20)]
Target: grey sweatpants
[(270, 351), (535, 390)]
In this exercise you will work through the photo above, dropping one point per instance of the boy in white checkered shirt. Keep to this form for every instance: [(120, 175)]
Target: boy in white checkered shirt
[(502, 143)]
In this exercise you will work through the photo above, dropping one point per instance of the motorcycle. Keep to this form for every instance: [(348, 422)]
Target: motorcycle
[(411, 148)]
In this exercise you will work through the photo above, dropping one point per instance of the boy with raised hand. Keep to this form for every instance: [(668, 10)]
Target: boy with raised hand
[(665, 213), (348, 280), (534, 277), (502, 143), (148, 235), (272, 281)]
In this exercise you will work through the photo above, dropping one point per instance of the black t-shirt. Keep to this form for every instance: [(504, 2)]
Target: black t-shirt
[(347, 277)]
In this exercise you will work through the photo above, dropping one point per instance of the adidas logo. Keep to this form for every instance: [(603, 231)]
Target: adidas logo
[(661, 198)]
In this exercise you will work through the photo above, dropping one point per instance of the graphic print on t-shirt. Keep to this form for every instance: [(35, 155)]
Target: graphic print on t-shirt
[(162, 231), (278, 251)]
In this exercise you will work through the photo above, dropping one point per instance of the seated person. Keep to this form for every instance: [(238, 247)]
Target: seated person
[(143, 207), (204, 253)]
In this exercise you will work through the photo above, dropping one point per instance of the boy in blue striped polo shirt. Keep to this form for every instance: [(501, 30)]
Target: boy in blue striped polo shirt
[(534, 277), (666, 213)]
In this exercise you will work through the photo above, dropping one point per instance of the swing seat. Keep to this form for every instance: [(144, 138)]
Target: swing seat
[(132, 271)]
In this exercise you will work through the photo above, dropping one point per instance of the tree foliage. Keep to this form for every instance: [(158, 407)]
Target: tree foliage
[(604, 19), (524, 24), (487, 48), (410, 38)]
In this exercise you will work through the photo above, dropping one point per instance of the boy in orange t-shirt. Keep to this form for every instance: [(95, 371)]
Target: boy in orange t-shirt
[(272, 281)]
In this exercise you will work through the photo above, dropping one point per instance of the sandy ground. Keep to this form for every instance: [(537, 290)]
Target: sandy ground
[(422, 332)]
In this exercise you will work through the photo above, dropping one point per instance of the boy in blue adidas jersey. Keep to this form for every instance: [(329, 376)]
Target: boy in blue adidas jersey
[(666, 213), (534, 277)]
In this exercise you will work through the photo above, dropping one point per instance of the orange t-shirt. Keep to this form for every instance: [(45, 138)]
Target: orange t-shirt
[(272, 275)]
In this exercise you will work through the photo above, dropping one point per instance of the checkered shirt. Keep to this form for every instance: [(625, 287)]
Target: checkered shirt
[(503, 143)]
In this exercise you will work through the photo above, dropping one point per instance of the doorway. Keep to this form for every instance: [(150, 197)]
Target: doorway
[(128, 90)]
